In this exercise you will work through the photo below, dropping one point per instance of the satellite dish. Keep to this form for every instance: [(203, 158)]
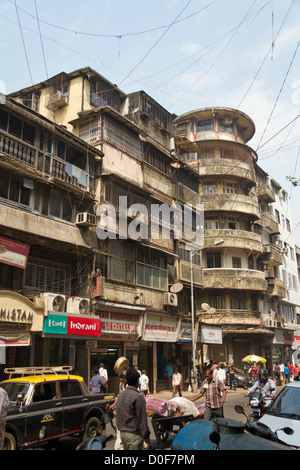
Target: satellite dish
[(211, 310), (175, 288), (205, 306)]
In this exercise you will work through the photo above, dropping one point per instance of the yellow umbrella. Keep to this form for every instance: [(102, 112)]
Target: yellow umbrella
[(254, 358)]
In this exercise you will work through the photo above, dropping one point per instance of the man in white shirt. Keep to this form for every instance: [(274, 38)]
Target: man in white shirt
[(104, 376), (220, 373)]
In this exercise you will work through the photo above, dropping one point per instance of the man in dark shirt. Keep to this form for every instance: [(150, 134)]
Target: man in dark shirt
[(131, 414)]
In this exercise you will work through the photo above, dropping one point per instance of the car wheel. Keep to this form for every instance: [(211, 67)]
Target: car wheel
[(9, 442), (91, 428)]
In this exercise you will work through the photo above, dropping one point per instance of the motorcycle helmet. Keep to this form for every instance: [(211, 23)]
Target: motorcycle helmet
[(263, 375)]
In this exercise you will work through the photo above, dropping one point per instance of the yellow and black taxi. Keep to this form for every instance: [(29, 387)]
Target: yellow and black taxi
[(48, 403)]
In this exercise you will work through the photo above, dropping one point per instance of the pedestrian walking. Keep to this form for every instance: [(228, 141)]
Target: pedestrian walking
[(287, 374), (281, 372), (176, 383), (277, 373), (144, 383), (232, 381), (253, 372), (4, 401), (169, 371), (296, 372), (220, 373), (104, 376), (131, 415), (291, 368), (96, 383), (215, 396)]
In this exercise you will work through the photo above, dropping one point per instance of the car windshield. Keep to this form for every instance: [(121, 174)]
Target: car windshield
[(287, 404), (12, 389)]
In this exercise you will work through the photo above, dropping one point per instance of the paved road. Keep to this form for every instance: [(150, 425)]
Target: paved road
[(233, 398)]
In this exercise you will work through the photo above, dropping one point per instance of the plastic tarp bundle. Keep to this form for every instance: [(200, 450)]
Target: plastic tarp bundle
[(178, 406), (187, 407), (160, 407)]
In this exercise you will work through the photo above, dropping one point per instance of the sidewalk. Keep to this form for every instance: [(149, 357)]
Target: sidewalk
[(167, 395)]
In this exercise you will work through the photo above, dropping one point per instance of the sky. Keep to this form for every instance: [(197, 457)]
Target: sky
[(186, 54)]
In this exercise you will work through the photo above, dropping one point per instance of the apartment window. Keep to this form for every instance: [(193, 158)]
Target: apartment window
[(224, 126), (152, 269), (205, 125), (211, 223), (209, 188), (185, 255), (288, 225), (16, 127), (117, 261), (277, 215), (238, 302), (292, 253), (236, 262), (213, 259), (15, 188), (230, 188), (42, 275), (217, 302), (60, 206), (206, 153)]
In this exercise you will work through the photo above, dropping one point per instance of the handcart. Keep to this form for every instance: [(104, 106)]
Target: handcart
[(169, 417), (164, 427)]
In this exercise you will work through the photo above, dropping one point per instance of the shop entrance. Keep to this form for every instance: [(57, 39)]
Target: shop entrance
[(107, 356)]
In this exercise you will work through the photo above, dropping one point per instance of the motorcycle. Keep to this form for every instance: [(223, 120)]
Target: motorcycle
[(259, 404)]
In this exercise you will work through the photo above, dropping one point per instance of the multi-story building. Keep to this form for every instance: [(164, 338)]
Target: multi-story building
[(145, 157), (140, 315), (240, 258), (47, 184)]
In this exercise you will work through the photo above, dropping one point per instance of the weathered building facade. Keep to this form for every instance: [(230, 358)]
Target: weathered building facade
[(43, 248), (242, 281), (141, 285)]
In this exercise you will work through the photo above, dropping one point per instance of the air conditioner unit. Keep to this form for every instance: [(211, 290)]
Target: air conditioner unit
[(54, 302), (170, 299), (78, 305), (57, 101), (285, 251), (84, 219)]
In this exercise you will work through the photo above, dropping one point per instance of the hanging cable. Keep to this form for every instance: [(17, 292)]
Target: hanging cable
[(41, 39), (23, 41)]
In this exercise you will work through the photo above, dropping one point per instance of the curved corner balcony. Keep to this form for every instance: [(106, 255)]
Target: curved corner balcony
[(227, 167), (233, 239), (233, 278), (230, 202)]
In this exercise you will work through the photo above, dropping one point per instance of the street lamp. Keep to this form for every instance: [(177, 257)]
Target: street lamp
[(192, 253)]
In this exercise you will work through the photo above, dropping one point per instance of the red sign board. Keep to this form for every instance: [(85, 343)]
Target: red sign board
[(13, 253), (84, 326)]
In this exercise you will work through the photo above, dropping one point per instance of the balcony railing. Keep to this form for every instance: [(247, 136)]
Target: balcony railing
[(230, 316), (45, 162)]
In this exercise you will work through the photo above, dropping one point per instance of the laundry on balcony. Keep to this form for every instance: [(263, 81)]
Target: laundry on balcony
[(75, 172)]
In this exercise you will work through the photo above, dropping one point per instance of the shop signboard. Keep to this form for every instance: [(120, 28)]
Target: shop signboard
[(185, 334), (160, 328), (13, 253), (208, 334), (283, 336), (57, 324), (119, 323)]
